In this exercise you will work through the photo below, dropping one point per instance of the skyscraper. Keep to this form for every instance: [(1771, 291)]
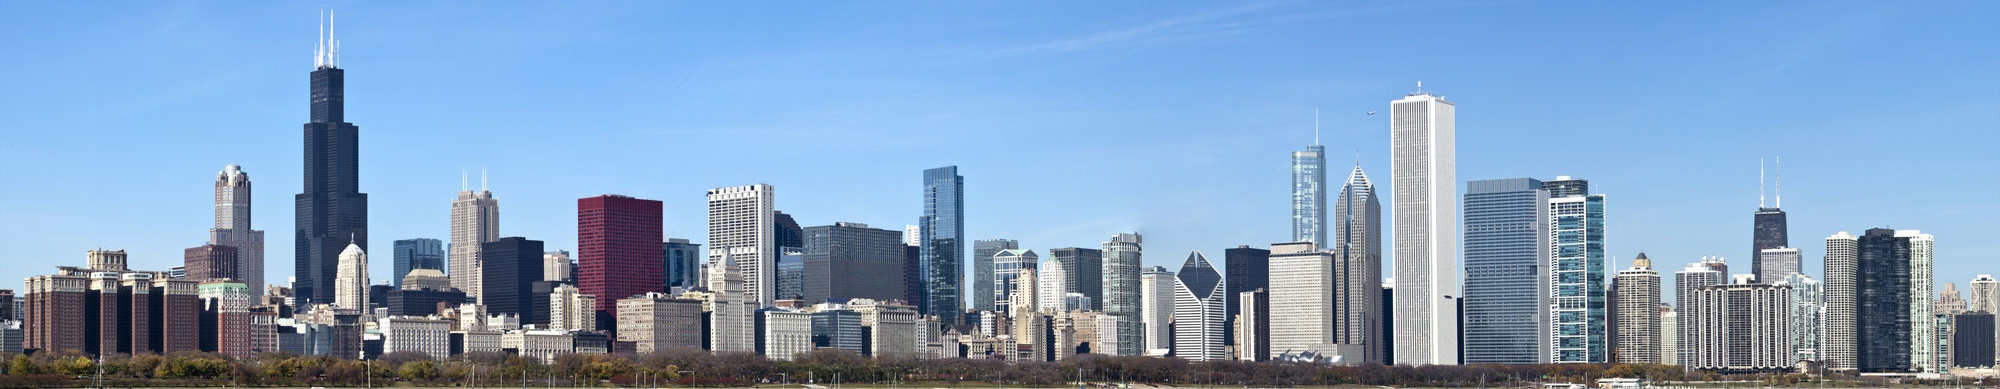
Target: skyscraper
[(1309, 194), (510, 265), (983, 293), (232, 227), (1871, 306), (1357, 245), (1687, 283), (1422, 153), (618, 249), (1775, 264), (556, 266), (1506, 240), (1121, 290), (1156, 310), (1638, 313), (1198, 310), (212, 262), (850, 260), (742, 224), (683, 262), (1803, 315), (412, 254), (1923, 331), (475, 220), (351, 281), (1734, 330), (1052, 285), (730, 308), (1577, 304), (1842, 309), (1247, 269), (1007, 265), (1768, 230), (331, 210), (943, 229), (1301, 299), (1083, 272)]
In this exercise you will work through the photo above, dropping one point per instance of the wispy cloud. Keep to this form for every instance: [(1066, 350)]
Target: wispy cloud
[(1176, 26)]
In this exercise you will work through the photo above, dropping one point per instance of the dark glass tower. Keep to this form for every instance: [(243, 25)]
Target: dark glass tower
[(1248, 269), (331, 210), (1883, 322), (1769, 234), (943, 230)]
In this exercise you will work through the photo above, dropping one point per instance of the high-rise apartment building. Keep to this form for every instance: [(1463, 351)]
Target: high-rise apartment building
[(1309, 194), (475, 220), (1687, 283), (232, 227), (850, 260), (331, 209), (1156, 310), (1878, 313), (1576, 271), (212, 262), (1768, 231), (1841, 352), (225, 318), (1776, 264), (570, 309), (1803, 315), (1246, 269), (1506, 258), (510, 265), (943, 249), (984, 293), (1972, 341), (683, 261), (1198, 311), (1357, 245), (1122, 260), (618, 249), (350, 284), (105, 308), (1924, 356), (1638, 310), (1423, 156), (1301, 300), (1669, 334), (412, 254), (1739, 328), (742, 225)]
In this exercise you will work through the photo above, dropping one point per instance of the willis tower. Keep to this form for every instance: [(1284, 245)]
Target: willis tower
[(332, 211)]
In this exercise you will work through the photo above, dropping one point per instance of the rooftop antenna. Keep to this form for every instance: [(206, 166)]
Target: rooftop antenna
[(1315, 126), (1760, 183), (482, 178), (319, 45), (464, 184), (1778, 184)]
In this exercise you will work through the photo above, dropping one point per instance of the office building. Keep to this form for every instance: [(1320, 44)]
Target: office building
[(943, 229), (105, 308), (418, 253), (1740, 328), (232, 228), (541, 345), (1122, 259), (891, 328), (475, 220), (571, 310), (1775, 264), (556, 266), (618, 250), (422, 294), (1506, 240), (1972, 341), (1576, 272), (730, 308), (1254, 327), (8, 310), (1638, 308), (850, 260), (1083, 271), (1422, 154), (351, 283), (985, 292), (656, 321), (792, 273), (1156, 310), (1007, 267), (1052, 285), (332, 213), (1198, 310), (785, 230), (683, 263), (225, 318), (1309, 193), (1245, 269), (742, 225), (1301, 301), (1687, 284), (511, 265), (1388, 319), (1357, 245), (427, 335), (1803, 315), (212, 262), (1669, 334), (1768, 231), (783, 332), (837, 328)]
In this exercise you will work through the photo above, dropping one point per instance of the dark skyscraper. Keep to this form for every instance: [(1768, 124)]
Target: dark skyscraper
[(982, 270), (331, 210), (1769, 231), (1248, 269), (412, 254), (618, 247), (943, 251), (786, 231), (1883, 323), (1083, 272), (683, 261), (850, 260), (508, 267), (1506, 240)]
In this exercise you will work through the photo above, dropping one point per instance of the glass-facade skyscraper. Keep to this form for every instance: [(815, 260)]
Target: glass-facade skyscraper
[(1506, 235), (683, 262), (1768, 232), (943, 251), (1357, 245), (1122, 260), (1309, 195), (983, 294), (331, 211), (419, 253), (1577, 306)]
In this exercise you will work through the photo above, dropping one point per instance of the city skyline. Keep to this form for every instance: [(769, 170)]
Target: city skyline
[(157, 227)]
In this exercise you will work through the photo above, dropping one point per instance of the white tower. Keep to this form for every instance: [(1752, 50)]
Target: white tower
[(1425, 225)]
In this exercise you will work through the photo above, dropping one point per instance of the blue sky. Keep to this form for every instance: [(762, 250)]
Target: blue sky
[(1071, 121)]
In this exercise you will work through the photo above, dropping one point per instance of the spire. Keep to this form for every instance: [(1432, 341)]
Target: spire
[(482, 178), (464, 184), (1778, 189), (1315, 126), (326, 50), (1760, 183)]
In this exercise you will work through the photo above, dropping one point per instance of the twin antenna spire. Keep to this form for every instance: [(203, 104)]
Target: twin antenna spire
[(463, 182), (1778, 193), (326, 52)]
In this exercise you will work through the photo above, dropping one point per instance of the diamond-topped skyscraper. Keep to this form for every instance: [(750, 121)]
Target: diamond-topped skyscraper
[(332, 211)]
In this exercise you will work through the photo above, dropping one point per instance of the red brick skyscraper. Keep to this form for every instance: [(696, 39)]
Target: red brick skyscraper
[(618, 250)]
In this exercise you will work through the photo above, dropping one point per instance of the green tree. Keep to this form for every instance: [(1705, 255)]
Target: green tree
[(21, 365), (419, 371)]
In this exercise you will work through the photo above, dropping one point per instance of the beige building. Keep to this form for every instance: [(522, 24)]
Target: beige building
[(1301, 300), (655, 321), (475, 220), (544, 345), (428, 335), (783, 332), (893, 327), (1638, 313), (350, 284), (571, 310)]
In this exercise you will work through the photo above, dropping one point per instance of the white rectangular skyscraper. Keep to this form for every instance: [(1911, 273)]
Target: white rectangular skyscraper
[(1425, 225), (741, 224)]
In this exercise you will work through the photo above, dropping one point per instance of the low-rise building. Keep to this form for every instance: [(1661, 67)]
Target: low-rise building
[(428, 335)]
